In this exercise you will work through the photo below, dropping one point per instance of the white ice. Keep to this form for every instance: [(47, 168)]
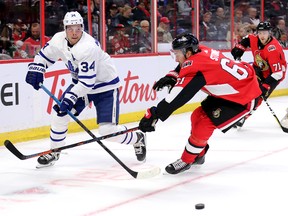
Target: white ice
[(246, 173)]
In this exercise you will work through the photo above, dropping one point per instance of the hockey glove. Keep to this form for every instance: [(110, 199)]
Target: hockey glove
[(148, 122), (238, 51), (35, 74), (259, 73), (265, 90), (169, 80), (68, 102)]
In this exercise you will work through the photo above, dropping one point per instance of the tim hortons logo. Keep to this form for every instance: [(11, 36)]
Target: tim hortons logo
[(131, 91)]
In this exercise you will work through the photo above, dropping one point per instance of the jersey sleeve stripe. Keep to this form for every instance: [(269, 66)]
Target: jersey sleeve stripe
[(87, 77), (112, 82), (47, 59), (87, 85)]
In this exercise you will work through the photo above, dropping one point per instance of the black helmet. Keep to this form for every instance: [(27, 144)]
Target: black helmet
[(185, 41), (262, 26)]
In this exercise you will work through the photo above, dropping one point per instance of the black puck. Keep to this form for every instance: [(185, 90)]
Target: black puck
[(200, 206)]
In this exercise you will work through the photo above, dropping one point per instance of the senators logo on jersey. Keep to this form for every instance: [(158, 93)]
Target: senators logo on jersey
[(261, 62)]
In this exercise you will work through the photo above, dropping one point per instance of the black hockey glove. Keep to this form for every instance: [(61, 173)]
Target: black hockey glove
[(169, 80), (238, 51), (35, 74), (265, 91), (259, 73), (148, 122)]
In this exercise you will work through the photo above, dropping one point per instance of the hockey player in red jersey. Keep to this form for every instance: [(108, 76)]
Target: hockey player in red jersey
[(269, 59), (232, 90)]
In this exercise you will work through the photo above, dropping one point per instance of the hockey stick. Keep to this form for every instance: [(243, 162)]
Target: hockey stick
[(273, 113), (9, 145), (138, 175)]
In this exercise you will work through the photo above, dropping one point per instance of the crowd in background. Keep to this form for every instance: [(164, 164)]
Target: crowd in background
[(128, 23)]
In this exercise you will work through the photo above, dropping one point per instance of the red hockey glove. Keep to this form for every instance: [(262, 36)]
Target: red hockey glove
[(148, 122)]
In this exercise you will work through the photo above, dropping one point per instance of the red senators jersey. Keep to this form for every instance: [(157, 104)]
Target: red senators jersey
[(270, 58), (224, 78)]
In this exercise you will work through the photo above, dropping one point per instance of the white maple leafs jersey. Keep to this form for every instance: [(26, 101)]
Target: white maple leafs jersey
[(91, 68)]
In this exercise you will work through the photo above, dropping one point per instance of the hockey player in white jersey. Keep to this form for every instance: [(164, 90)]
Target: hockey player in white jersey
[(95, 79)]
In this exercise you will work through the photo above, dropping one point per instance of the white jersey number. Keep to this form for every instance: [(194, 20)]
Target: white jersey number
[(235, 70)]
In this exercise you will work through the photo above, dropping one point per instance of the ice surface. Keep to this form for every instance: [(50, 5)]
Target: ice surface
[(246, 173)]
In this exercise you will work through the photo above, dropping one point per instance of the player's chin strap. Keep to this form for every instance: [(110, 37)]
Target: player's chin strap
[(284, 129), (143, 174)]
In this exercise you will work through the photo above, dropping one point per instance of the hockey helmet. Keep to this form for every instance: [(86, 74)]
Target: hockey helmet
[(186, 41), (73, 18), (264, 26)]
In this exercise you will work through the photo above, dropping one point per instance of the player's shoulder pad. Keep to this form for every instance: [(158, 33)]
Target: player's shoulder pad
[(88, 44), (58, 39)]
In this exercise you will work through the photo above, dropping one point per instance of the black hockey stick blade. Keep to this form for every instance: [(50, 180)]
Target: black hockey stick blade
[(137, 175), (9, 145)]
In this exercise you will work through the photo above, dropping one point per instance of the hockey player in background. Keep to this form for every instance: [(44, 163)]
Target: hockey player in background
[(94, 79), (232, 89), (269, 59)]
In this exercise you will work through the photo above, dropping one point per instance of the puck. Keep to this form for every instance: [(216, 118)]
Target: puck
[(200, 206)]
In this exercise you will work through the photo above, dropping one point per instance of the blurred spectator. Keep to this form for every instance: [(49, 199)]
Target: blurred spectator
[(164, 27), (221, 23), (125, 17), (276, 9), (95, 26), (32, 44), (119, 42), (6, 48), (145, 37), (112, 18), (95, 6), (18, 52), (212, 5), (6, 33), (238, 19), (169, 11), (140, 12), (183, 8), (208, 30), (19, 31), (252, 17), (239, 33), (280, 29), (134, 37), (160, 37), (283, 40)]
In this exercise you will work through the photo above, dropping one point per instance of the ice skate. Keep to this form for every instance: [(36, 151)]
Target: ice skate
[(238, 125), (48, 160), (177, 167), (200, 159), (140, 146)]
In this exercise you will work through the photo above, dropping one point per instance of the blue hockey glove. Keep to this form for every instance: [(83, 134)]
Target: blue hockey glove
[(148, 122), (68, 102), (35, 74)]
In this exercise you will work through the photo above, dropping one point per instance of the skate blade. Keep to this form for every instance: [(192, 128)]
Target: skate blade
[(40, 166)]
